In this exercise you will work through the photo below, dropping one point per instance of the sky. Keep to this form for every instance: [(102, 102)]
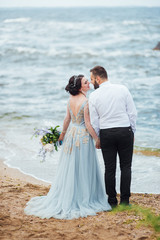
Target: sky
[(68, 3)]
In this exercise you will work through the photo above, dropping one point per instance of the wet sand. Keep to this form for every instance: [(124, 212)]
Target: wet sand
[(17, 189)]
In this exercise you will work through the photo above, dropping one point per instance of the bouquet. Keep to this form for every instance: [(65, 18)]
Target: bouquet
[(48, 140)]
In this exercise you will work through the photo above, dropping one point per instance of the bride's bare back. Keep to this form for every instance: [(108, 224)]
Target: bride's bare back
[(76, 102)]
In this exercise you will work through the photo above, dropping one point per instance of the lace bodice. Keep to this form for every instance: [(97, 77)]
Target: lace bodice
[(82, 119)]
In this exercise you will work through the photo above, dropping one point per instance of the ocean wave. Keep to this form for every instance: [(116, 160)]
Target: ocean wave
[(14, 116), (15, 51), (83, 26), (28, 50), (146, 81), (73, 53), (131, 22), (85, 53), (19, 20), (77, 52)]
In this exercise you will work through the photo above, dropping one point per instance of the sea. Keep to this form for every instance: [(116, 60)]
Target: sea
[(41, 48)]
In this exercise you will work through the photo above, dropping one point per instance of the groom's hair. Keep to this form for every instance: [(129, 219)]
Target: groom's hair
[(99, 71)]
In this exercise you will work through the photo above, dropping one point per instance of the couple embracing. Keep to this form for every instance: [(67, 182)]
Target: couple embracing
[(106, 121)]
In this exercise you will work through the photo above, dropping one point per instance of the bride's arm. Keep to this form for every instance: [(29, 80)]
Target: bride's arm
[(89, 126), (66, 123)]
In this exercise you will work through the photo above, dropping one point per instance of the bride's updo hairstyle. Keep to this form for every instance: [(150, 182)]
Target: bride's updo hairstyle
[(74, 85)]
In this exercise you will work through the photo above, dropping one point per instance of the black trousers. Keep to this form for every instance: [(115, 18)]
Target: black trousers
[(117, 141)]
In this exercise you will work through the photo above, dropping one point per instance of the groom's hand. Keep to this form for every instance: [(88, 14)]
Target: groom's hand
[(98, 144)]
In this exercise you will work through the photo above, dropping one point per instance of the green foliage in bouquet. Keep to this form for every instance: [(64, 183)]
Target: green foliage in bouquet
[(51, 137)]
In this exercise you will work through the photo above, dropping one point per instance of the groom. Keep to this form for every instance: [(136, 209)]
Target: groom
[(113, 116)]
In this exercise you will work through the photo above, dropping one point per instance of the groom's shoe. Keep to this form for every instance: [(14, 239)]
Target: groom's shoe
[(113, 202), (125, 203), (113, 205)]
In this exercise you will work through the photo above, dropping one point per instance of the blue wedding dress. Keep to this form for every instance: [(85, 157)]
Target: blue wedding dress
[(78, 189)]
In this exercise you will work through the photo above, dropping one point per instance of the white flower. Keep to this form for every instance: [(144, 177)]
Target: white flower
[(49, 147)]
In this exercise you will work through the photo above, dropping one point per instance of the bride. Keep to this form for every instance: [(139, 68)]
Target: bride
[(78, 189)]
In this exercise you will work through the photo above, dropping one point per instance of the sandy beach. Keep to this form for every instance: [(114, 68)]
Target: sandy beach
[(17, 189)]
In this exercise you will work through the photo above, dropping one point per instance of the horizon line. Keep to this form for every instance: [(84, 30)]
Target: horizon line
[(149, 6)]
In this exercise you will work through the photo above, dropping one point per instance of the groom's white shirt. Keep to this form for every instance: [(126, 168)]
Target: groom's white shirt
[(110, 106)]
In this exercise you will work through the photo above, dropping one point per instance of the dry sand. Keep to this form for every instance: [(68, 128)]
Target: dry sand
[(17, 189)]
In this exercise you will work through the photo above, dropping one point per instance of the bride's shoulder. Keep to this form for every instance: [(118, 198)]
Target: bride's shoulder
[(85, 103)]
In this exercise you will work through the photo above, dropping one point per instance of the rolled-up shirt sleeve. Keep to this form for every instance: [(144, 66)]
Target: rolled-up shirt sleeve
[(94, 117), (131, 111)]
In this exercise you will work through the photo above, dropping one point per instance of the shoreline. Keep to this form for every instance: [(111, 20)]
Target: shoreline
[(17, 174), (17, 189), (147, 151)]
